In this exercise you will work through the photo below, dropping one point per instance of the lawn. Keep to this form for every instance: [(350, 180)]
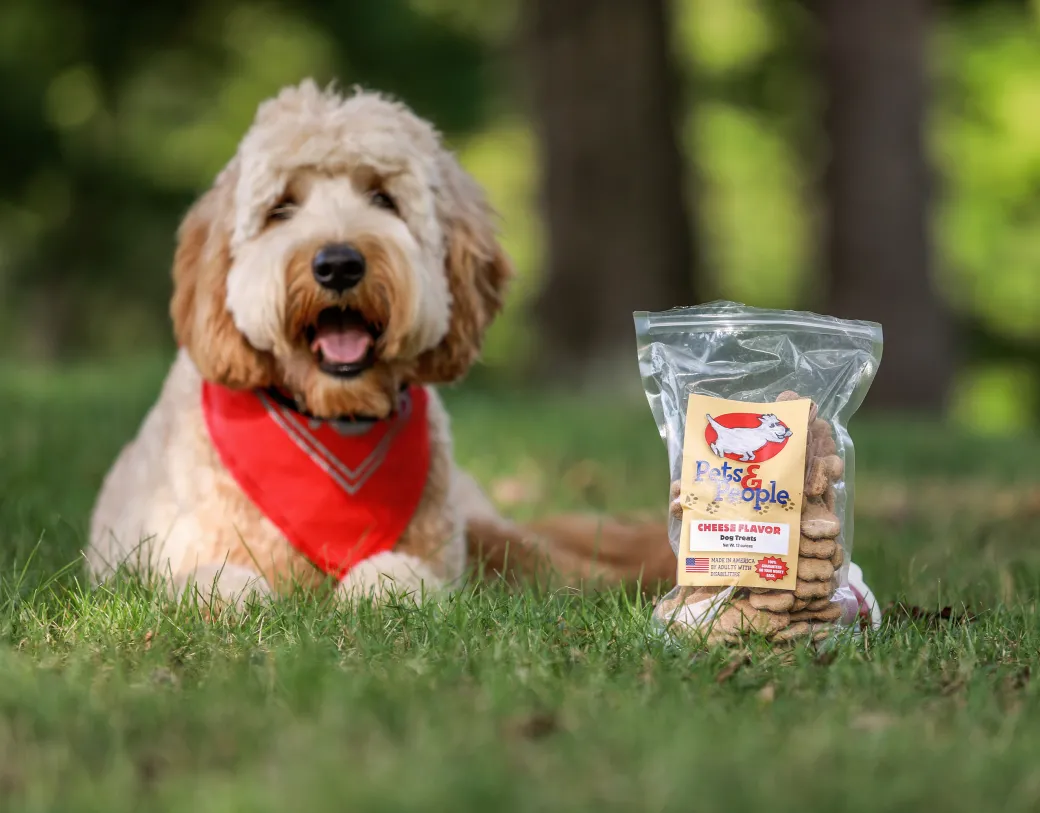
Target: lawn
[(119, 700)]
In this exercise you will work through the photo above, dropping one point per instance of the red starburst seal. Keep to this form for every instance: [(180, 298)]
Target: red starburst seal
[(771, 569)]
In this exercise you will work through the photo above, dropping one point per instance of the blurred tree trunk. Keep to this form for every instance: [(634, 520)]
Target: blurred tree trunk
[(606, 98), (878, 193)]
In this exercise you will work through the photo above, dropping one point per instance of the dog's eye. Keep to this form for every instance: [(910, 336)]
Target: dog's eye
[(381, 199), (283, 210)]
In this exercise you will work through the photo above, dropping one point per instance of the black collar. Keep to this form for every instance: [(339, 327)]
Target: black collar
[(284, 400)]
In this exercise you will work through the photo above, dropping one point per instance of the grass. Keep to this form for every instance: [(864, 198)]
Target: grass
[(118, 699)]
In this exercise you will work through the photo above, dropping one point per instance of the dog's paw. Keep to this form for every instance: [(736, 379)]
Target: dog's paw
[(389, 577)]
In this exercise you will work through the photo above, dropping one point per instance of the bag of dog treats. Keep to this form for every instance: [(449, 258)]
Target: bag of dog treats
[(753, 406)]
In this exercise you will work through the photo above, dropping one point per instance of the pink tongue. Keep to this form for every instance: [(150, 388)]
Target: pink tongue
[(342, 345)]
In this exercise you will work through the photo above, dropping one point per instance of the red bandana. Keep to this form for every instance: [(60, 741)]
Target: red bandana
[(340, 492)]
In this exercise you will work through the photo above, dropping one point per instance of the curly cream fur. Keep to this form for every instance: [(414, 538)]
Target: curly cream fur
[(243, 298)]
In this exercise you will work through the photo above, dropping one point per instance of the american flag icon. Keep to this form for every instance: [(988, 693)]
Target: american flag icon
[(697, 564)]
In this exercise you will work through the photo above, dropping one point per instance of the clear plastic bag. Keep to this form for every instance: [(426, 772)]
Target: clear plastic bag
[(822, 366)]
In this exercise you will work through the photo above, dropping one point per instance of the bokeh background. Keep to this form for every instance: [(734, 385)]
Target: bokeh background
[(876, 159)]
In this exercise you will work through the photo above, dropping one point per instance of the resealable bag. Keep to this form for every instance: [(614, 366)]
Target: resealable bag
[(753, 406)]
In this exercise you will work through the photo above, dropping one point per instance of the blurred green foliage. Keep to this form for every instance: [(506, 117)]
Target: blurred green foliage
[(116, 115)]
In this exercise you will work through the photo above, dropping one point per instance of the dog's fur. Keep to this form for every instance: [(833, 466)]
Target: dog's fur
[(244, 295)]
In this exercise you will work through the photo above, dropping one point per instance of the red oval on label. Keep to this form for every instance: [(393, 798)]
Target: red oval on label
[(747, 437)]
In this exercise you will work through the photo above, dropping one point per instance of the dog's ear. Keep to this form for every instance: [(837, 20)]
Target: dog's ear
[(201, 321), (478, 272)]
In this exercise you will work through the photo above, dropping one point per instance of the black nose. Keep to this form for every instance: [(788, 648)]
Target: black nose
[(339, 266)]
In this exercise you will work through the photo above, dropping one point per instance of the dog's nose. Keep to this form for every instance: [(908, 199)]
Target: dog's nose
[(338, 266)]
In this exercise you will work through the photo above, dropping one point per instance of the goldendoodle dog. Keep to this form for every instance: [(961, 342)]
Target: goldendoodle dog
[(341, 266)]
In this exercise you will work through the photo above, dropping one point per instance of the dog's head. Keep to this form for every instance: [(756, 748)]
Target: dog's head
[(342, 254), (773, 428)]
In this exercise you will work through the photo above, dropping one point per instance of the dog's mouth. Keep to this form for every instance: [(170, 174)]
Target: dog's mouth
[(343, 342)]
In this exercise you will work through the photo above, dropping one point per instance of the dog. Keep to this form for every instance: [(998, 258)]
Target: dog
[(746, 441), (341, 266)]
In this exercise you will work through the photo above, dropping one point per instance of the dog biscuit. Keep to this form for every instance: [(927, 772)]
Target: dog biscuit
[(830, 499), (831, 613), (741, 617), (801, 630), (815, 570), (811, 590), (817, 548), (775, 601), (833, 467), (821, 439), (817, 482), (819, 523), (794, 631)]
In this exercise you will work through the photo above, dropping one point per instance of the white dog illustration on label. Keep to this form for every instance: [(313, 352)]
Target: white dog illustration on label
[(746, 441)]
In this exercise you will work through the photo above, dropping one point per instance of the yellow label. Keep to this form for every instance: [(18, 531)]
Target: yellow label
[(742, 479)]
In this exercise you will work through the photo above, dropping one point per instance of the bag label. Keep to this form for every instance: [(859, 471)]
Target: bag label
[(743, 475), (741, 537)]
